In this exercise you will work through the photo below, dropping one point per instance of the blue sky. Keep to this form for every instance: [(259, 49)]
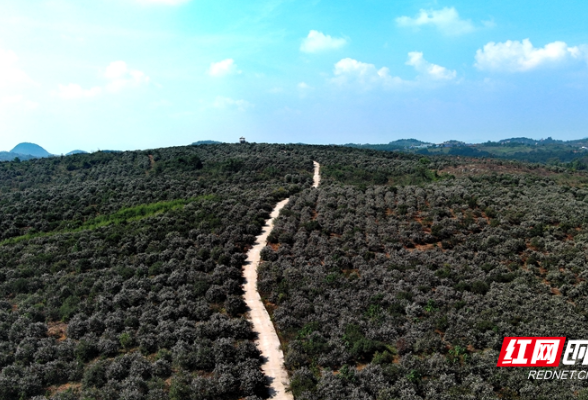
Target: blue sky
[(132, 74)]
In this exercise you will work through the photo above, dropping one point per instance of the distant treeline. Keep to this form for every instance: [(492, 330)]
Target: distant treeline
[(548, 151)]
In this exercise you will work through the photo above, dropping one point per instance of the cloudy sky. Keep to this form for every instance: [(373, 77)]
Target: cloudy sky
[(131, 74)]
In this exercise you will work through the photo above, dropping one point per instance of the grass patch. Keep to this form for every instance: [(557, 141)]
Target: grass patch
[(124, 215)]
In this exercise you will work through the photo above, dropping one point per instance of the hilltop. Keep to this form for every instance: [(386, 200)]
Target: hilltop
[(205, 142), (545, 151), (30, 149), (395, 145)]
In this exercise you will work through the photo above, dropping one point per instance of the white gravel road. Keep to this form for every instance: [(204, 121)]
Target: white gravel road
[(317, 174), (268, 342)]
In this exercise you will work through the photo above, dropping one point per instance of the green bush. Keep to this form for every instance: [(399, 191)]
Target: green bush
[(126, 340), (69, 308)]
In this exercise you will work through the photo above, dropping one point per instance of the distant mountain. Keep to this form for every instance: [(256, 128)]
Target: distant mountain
[(407, 143), (30, 149), (545, 151), (9, 156), (71, 153), (206, 142), (521, 140), (400, 144), (578, 143)]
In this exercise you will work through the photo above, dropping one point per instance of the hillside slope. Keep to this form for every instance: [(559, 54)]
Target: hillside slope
[(398, 277), (120, 272), (8, 156)]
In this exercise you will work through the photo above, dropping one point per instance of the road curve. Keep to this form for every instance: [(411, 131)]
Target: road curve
[(268, 342)]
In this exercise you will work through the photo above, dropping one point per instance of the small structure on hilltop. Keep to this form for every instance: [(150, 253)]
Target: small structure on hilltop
[(242, 140)]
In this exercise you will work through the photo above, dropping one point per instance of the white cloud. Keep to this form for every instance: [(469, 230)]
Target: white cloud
[(288, 112), (317, 41), (12, 79), (352, 72), (10, 73), (447, 20), (515, 56), (304, 89), (116, 70), (74, 91), (349, 71), (18, 101), (223, 68), (489, 23), (160, 103), (118, 76), (227, 102), (429, 70), (164, 2), (73, 39)]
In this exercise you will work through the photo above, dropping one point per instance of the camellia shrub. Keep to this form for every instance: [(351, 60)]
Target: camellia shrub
[(120, 273)]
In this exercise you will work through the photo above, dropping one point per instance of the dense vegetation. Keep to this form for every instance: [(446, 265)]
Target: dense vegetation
[(569, 154), (120, 273), (406, 292)]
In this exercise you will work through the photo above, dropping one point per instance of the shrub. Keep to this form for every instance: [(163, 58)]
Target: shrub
[(95, 375), (126, 340), (69, 308)]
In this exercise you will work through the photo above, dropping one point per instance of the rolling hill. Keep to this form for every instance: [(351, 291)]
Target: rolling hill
[(397, 278), (30, 149)]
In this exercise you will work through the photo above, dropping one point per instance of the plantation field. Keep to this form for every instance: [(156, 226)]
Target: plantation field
[(397, 278)]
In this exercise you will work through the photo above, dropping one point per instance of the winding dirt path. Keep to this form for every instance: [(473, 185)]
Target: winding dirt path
[(317, 175), (268, 342)]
